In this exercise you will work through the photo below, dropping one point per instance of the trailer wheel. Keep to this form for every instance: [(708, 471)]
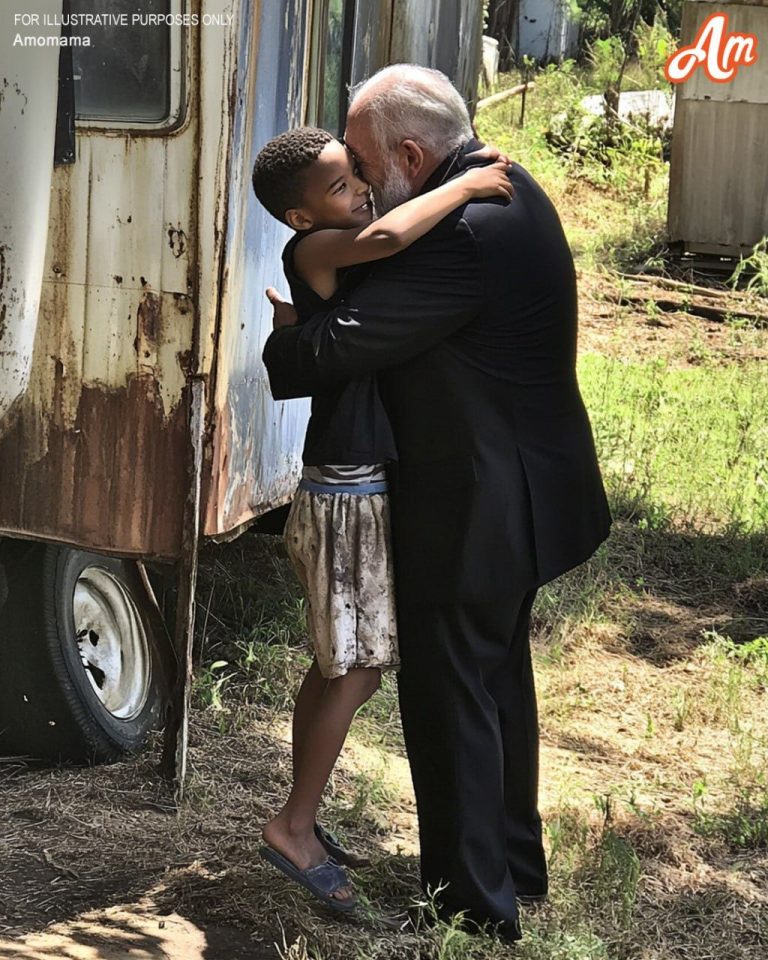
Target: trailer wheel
[(85, 669)]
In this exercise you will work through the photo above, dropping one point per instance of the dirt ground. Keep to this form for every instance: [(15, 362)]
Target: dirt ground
[(670, 322)]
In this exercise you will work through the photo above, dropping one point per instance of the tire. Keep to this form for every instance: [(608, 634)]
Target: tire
[(85, 666)]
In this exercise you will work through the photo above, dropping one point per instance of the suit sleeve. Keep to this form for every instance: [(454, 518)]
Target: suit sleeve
[(408, 303)]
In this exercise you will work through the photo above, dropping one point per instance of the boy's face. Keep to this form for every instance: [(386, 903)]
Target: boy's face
[(335, 197)]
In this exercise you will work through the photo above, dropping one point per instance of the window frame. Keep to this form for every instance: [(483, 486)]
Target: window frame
[(177, 87), (314, 69)]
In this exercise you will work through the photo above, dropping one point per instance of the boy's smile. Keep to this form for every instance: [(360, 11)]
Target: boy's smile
[(335, 196)]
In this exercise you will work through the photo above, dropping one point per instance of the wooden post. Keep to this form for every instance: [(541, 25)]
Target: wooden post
[(521, 121), (174, 759), (504, 95)]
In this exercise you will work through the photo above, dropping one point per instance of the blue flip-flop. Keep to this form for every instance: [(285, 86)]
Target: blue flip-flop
[(322, 881), (332, 846)]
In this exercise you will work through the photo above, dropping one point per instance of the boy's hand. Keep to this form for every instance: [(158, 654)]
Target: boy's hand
[(490, 181), (284, 313)]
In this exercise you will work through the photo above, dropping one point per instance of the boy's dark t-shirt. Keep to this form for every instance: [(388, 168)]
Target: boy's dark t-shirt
[(348, 424)]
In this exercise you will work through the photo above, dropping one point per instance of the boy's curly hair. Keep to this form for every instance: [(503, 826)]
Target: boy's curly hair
[(278, 173)]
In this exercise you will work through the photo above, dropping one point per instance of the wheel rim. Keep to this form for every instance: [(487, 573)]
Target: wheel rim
[(112, 642)]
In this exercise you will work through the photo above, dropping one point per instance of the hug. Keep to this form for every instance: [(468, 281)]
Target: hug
[(449, 472)]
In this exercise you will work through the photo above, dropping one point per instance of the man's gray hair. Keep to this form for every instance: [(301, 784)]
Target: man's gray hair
[(408, 102)]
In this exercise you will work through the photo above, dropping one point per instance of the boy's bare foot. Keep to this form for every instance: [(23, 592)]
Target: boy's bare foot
[(302, 848)]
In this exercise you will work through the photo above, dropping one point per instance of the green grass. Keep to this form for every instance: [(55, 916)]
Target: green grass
[(689, 445)]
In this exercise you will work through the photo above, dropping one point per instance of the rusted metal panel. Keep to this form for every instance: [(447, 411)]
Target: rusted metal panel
[(255, 443), (92, 452), (174, 759), (717, 191)]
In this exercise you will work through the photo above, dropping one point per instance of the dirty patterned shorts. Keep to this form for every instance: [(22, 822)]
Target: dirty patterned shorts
[(340, 546)]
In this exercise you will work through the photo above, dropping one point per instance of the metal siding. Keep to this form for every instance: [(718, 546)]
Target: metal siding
[(255, 451), (93, 452), (28, 90), (718, 199), (718, 181), (750, 85)]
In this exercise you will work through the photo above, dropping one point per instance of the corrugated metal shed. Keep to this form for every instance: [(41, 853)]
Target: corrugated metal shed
[(718, 190)]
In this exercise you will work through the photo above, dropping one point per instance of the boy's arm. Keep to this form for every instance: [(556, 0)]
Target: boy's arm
[(396, 230)]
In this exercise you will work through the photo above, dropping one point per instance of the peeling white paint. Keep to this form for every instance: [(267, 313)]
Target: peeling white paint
[(28, 94)]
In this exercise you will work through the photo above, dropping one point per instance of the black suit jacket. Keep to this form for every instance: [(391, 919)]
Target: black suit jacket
[(473, 332)]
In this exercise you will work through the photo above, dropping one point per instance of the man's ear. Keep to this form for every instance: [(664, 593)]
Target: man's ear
[(298, 219), (412, 157)]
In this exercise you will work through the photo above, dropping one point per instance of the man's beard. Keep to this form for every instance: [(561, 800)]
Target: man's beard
[(395, 190)]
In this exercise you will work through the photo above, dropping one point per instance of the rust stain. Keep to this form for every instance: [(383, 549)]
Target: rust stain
[(148, 326), (183, 304), (177, 240), (120, 433), (3, 304), (149, 316), (186, 361)]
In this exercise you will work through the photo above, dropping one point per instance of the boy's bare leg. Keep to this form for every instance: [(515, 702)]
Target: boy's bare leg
[(322, 735), (307, 702)]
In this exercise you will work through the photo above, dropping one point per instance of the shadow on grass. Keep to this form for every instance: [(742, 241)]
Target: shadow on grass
[(662, 586)]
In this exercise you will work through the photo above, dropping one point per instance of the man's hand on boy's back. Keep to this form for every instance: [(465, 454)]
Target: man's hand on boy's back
[(284, 313)]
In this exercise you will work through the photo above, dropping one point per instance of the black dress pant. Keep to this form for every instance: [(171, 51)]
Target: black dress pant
[(468, 706)]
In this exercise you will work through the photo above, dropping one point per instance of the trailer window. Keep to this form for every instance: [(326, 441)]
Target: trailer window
[(124, 75), (330, 52)]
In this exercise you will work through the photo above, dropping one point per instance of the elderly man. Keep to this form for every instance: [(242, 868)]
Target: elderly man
[(473, 333)]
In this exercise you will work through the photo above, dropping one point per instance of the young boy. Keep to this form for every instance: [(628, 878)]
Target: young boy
[(337, 533)]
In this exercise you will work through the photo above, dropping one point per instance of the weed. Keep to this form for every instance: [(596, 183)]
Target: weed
[(372, 795), (209, 682), (682, 707), (735, 668), (755, 266), (745, 824), (578, 942), (617, 877), (568, 835)]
